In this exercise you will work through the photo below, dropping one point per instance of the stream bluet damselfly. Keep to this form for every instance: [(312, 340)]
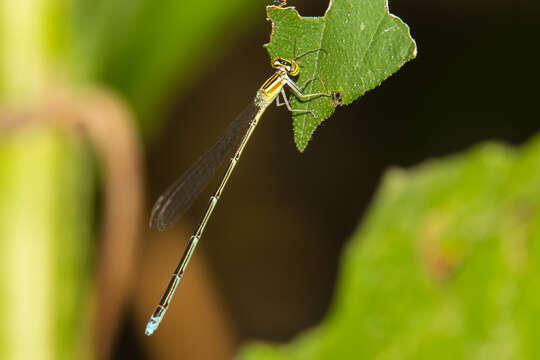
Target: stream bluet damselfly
[(170, 206)]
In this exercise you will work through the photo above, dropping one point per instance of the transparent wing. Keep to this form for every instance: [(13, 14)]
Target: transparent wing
[(179, 197)]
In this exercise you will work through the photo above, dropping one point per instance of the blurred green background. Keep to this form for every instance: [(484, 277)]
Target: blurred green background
[(104, 103)]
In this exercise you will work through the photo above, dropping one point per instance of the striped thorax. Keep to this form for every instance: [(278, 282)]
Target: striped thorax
[(272, 87)]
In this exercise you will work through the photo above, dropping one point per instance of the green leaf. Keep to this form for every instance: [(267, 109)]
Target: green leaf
[(444, 266), (362, 44)]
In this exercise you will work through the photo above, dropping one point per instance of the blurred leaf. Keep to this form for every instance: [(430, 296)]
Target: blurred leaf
[(445, 266), (145, 49), (46, 207), (362, 44)]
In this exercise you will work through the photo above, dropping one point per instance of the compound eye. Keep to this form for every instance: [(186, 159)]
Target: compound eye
[(276, 63), (294, 69)]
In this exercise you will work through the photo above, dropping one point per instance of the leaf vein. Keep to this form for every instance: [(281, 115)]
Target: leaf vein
[(372, 39), (316, 71)]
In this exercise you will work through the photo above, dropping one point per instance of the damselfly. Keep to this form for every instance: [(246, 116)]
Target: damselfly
[(179, 196)]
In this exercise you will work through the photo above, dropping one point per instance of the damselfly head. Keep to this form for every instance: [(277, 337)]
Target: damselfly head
[(289, 66)]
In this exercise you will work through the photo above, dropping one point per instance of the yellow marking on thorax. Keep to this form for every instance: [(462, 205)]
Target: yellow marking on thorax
[(272, 86)]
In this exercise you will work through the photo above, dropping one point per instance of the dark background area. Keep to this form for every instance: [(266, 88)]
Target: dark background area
[(274, 241)]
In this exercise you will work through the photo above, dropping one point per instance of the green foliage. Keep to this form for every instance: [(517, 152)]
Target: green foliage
[(144, 49), (46, 212), (141, 49), (445, 266), (362, 44)]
